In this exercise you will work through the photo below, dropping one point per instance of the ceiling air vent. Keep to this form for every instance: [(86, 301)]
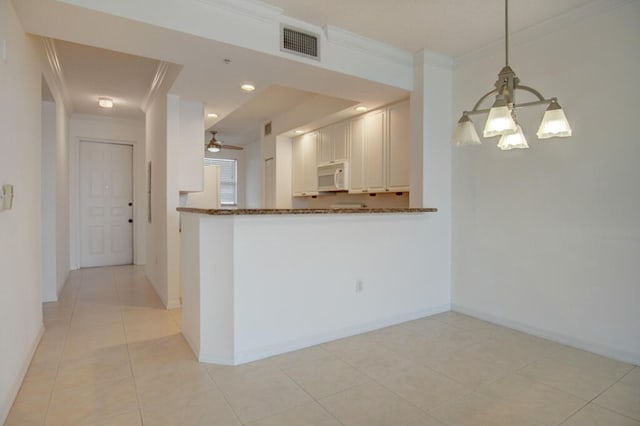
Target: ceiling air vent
[(299, 42)]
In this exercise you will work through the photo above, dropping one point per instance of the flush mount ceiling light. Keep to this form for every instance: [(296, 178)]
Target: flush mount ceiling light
[(248, 87), (502, 117), (105, 102)]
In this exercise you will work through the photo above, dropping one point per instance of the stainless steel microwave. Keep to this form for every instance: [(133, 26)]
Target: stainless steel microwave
[(333, 177)]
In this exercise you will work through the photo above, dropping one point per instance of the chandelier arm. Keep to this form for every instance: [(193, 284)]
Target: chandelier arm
[(534, 103), (530, 90), (475, 107), (526, 104), (477, 111)]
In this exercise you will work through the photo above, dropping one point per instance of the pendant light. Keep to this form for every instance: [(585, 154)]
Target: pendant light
[(501, 120)]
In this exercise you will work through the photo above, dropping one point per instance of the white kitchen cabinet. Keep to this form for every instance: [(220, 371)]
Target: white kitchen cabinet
[(332, 143), (304, 179), (398, 147), (367, 153)]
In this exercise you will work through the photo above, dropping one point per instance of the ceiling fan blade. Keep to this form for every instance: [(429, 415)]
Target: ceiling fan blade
[(225, 146)]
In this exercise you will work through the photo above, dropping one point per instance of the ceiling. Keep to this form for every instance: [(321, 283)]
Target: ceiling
[(212, 71), (91, 73), (451, 27)]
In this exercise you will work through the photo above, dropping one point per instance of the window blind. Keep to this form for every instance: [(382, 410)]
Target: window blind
[(228, 179)]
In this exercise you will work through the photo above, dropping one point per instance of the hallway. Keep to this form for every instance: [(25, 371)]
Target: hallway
[(112, 355)]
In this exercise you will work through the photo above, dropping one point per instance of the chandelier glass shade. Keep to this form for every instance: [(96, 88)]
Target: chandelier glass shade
[(465, 133), (501, 119)]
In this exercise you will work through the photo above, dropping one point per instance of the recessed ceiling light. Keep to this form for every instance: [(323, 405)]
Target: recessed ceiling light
[(212, 115), (105, 102), (361, 108), (248, 87), (299, 132)]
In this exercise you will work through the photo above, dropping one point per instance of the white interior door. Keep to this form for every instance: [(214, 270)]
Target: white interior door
[(106, 200)]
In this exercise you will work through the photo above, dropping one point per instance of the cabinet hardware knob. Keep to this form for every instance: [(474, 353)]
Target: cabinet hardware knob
[(130, 220)]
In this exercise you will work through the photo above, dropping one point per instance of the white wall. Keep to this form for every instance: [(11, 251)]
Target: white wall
[(63, 192), (548, 239), (253, 175), (191, 145), (20, 227), (48, 179), (156, 232), (55, 190), (106, 129), (271, 284)]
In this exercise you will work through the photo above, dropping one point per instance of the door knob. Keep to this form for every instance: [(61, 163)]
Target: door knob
[(130, 220), (130, 204)]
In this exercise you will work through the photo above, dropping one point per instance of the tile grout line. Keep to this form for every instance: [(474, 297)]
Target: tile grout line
[(64, 344), (224, 396), (316, 400), (126, 339)]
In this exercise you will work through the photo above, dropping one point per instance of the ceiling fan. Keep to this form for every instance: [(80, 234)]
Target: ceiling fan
[(215, 145)]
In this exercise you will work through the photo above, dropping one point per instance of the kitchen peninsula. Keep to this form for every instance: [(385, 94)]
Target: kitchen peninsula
[(256, 283)]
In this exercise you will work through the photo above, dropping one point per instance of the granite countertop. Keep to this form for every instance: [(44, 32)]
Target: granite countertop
[(239, 212)]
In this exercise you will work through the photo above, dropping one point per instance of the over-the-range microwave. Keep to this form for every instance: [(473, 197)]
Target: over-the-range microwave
[(333, 176)]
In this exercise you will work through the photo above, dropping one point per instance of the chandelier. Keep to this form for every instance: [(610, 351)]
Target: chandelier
[(502, 120)]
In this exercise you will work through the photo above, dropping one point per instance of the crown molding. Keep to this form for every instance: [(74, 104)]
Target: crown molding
[(355, 41), (429, 57), (56, 74), (542, 29), (156, 84)]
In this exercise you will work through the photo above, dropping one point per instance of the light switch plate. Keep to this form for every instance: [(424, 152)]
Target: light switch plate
[(7, 197)]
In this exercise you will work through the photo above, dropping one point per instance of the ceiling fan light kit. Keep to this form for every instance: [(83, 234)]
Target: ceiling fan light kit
[(501, 120)]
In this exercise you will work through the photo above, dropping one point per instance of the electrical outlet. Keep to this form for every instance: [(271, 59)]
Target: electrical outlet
[(359, 286)]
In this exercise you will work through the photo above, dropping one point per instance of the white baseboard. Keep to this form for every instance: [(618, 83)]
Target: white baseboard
[(216, 359), (550, 335), (293, 345), (15, 388), (174, 304)]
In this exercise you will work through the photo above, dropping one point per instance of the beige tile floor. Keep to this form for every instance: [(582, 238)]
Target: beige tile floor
[(111, 355)]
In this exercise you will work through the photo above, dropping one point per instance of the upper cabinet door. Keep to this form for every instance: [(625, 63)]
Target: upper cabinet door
[(310, 141), (357, 155), (325, 145), (304, 178), (399, 147), (297, 178), (332, 143), (340, 141), (375, 164)]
